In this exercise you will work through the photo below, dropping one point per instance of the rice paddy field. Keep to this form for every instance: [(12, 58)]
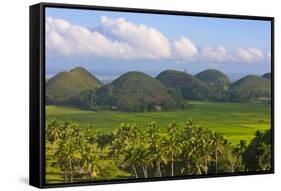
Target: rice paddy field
[(235, 121)]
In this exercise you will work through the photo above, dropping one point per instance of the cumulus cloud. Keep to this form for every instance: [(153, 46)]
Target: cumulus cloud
[(185, 49), (119, 38), (216, 54), (126, 40), (147, 41), (249, 55), (67, 39)]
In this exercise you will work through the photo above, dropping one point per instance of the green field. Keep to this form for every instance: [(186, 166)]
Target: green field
[(236, 121)]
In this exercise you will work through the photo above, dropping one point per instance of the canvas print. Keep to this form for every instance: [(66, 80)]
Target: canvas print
[(139, 96)]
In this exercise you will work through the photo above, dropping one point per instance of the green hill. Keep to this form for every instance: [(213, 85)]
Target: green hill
[(136, 91), (67, 85), (250, 87), (188, 85), (251, 82), (217, 82), (267, 76), (213, 78)]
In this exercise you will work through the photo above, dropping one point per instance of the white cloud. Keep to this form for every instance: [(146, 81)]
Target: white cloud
[(67, 39), (185, 49), (119, 38), (216, 54), (147, 41), (249, 55)]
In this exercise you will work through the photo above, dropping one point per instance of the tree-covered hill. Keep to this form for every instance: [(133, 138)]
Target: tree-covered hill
[(188, 85), (217, 83), (136, 91), (249, 88), (251, 83), (214, 78)]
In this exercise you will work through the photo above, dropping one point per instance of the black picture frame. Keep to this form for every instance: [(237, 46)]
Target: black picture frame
[(37, 92)]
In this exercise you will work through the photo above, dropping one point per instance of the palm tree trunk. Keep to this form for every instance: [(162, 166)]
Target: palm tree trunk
[(145, 167), (159, 168), (144, 171), (135, 171), (216, 156), (172, 163), (71, 173), (54, 146)]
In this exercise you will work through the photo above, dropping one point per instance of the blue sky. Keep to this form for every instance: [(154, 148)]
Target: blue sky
[(230, 45)]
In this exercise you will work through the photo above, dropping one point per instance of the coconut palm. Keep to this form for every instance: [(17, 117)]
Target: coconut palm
[(158, 156), (155, 149), (103, 140), (66, 155), (218, 145), (53, 132), (116, 148), (131, 159), (172, 145), (90, 135), (144, 158), (91, 163)]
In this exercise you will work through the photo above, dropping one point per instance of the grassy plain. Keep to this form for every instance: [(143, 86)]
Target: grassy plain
[(236, 121)]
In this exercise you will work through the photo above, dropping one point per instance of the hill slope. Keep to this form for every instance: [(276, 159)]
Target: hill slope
[(217, 82), (68, 85), (188, 85), (251, 82), (136, 91), (213, 77), (249, 88)]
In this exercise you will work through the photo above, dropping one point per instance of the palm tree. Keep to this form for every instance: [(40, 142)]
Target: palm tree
[(103, 140), (172, 145), (90, 135), (153, 132), (116, 148), (91, 163), (187, 151), (144, 158), (157, 154), (66, 155), (218, 145), (155, 150), (131, 159), (53, 132), (137, 156), (188, 139)]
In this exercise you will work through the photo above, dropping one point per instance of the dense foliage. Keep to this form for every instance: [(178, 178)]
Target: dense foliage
[(257, 156), (145, 152)]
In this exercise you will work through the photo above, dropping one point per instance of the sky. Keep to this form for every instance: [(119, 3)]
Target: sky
[(109, 44)]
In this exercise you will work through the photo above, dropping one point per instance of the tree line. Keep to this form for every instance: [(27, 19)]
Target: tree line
[(88, 99), (149, 152)]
